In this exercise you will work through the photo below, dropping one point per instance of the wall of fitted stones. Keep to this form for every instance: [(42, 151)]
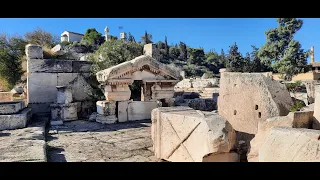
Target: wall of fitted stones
[(45, 74)]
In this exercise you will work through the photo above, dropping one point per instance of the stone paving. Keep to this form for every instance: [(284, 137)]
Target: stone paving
[(23, 145), (85, 141)]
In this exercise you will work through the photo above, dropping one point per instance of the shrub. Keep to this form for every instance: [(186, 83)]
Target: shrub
[(297, 105)]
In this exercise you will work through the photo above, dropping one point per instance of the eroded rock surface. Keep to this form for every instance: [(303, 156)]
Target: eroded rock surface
[(292, 120), (23, 145), (84, 141), (245, 99), (285, 144), (182, 134)]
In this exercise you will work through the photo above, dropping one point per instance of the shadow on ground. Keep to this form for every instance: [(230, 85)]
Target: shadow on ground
[(4, 134), (55, 154), (87, 126)]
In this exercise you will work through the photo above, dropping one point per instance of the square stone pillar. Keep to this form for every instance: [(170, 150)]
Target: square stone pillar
[(106, 112)]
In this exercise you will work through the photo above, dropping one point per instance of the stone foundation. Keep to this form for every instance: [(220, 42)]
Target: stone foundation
[(64, 112), (11, 107), (15, 121)]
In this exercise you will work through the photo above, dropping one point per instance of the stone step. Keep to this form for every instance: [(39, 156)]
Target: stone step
[(11, 107)]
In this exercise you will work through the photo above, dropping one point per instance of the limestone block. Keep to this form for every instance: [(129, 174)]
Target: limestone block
[(123, 110), (118, 96), (106, 107), (300, 96), (285, 144), (117, 93), (11, 107), (140, 110), (42, 87), (64, 79), (81, 90), (81, 66), (292, 120), (56, 48), (15, 121), (316, 114), (159, 94), (170, 102), (222, 157), (182, 134), (64, 112), (49, 66), (310, 87), (34, 51), (64, 95), (106, 119), (310, 107), (245, 99)]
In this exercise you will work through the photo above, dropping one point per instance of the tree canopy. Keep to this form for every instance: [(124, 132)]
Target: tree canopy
[(11, 53), (114, 52), (93, 37), (40, 37), (281, 52)]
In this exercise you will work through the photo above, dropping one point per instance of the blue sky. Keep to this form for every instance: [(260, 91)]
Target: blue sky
[(209, 33)]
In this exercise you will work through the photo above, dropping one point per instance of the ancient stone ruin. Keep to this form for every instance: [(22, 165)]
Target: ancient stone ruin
[(44, 75), (14, 114), (246, 99), (182, 134), (239, 117), (64, 109), (156, 82)]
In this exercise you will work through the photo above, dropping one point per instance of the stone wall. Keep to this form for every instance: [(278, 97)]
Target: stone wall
[(45, 74), (197, 83), (300, 77)]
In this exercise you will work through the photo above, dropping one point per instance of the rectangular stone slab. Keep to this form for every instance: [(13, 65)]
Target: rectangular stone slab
[(64, 112), (15, 121), (182, 134), (140, 110), (11, 107), (285, 144)]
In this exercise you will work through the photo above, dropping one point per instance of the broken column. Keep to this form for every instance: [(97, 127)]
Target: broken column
[(64, 109), (182, 134)]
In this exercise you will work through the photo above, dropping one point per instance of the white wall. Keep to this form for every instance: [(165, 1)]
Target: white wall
[(70, 37), (75, 37)]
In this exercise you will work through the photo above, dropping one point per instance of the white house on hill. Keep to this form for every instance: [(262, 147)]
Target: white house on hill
[(71, 36)]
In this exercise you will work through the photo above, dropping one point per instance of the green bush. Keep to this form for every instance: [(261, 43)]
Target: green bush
[(297, 106), (292, 87)]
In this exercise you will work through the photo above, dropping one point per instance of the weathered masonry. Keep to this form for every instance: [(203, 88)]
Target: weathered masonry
[(152, 85), (45, 74)]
